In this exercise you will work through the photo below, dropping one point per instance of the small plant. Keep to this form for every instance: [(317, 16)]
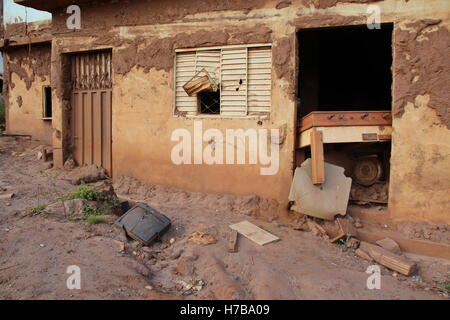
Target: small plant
[(344, 242), (445, 287), (92, 214), (89, 210), (106, 202), (94, 219), (40, 209), (83, 191)]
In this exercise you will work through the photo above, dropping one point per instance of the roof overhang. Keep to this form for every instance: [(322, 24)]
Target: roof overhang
[(49, 5)]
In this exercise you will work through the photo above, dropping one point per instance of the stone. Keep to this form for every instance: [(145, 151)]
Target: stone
[(75, 207), (55, 208), (86, 174), (176, 254), (69, 164), (390, 245)]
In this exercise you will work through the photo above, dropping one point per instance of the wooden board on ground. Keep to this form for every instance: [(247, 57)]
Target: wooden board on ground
[(254, 233), (232, 241), (388, 259)]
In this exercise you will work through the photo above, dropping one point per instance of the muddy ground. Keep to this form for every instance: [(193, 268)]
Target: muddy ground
[(35, 251)]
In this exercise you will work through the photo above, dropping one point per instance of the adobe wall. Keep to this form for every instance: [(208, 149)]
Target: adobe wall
[(144, 36), (27, 71)]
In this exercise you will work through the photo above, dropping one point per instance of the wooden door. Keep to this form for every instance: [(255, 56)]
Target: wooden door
[(91, 109)]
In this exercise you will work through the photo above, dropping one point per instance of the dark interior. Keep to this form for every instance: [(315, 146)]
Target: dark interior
[(209, 102), (48, 102), (345, 69)]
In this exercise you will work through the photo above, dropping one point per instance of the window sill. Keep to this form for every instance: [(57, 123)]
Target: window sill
[(46, 119), (218, 117)]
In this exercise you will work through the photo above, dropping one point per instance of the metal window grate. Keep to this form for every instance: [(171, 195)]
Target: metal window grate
[(209, 102)]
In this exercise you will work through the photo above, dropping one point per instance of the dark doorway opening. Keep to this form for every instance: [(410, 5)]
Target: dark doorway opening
[(345, 69)]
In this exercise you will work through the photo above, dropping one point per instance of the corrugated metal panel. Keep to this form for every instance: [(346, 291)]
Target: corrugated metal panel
[(233, 94), (259, 80)]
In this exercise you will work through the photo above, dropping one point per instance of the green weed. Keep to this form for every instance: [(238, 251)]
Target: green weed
[(94, 219)]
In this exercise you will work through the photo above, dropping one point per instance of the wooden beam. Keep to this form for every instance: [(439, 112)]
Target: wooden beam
[(345, 134), (345, 118), (232, 241), (318, 165), (423, 247), (388, 259)]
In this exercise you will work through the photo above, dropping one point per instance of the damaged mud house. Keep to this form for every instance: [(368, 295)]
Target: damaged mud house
[(372, 105)]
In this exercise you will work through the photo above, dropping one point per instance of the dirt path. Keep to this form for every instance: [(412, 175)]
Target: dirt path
[(35, 251)]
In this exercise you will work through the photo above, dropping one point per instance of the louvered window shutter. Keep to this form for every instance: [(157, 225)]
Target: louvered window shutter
[(185, 70), (259, 80), (233, 94), (244, 75)]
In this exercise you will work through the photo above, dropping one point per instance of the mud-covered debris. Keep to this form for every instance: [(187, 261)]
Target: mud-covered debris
[(144, 224), (232, 241), (200, 82), (357, 224), (388, 259), (254, 233), (120, 244), (86, 174), (362, 254), (69, 164), (75, 207), (390, 245), (193, 285), (324, 202), (7, 196), (201, 238), (18, 154), (176, 254)]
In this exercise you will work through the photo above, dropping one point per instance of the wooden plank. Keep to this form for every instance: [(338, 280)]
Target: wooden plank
[(254, 233), (97, 128), (343, 134), (232, 242), (317, 157), (345, 118), (423, 247), (388, 259), (78, 124), (87, 128), (106, 131)]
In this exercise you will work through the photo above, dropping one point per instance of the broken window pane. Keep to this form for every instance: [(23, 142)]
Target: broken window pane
[(209, 102)]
